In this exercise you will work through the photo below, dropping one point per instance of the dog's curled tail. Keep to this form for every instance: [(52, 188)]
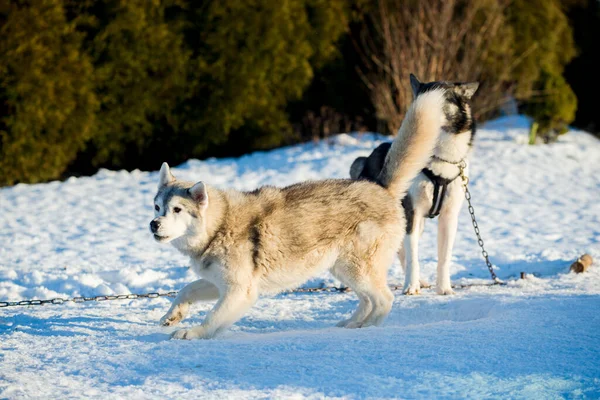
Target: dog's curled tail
[(414, 143)]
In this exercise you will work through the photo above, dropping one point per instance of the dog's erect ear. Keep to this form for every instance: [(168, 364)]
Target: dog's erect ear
[(165, 176), (414, 84), (357, 167), (199, 194), (466, 90)]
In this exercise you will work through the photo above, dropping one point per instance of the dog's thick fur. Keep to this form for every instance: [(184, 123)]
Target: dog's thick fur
[(244, 244), (454, 144)]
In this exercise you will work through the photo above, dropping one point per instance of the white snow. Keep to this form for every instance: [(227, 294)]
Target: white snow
[(535, 338)]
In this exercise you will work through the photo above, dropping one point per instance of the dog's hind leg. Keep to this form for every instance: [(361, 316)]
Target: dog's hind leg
[(363, 310), (375, 303), (378, 289), (231, 306), (368, 278), (342, 271), (200, 290), (382, 298)]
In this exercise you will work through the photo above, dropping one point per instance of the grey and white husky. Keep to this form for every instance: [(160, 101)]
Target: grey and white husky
[(437, 190), (244, 244)]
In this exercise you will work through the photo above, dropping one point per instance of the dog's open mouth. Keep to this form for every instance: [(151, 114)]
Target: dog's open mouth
[(159, 238)]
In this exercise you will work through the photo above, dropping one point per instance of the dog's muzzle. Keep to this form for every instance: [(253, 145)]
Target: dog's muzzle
[(154, 227)]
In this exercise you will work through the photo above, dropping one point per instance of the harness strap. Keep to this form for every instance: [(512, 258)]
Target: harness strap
[(439, 191)]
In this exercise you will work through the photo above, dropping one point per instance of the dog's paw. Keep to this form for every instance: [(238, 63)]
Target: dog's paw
[(174, 315), (170, 320), (353, 325), (189, 334), (444, 290), (348, 323), (412, 290), (183, 334), (343, 323)]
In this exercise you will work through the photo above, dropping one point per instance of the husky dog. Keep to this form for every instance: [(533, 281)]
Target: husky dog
[(244, 244), (437, 188)]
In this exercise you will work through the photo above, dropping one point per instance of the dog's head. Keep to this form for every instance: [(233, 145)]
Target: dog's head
[(458, 112), (179, 208)]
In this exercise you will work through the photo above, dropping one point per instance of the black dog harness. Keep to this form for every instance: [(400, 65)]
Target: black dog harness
[(439, 191)]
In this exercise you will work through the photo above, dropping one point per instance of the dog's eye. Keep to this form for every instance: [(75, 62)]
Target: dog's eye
[(156, 207), (177, 210)]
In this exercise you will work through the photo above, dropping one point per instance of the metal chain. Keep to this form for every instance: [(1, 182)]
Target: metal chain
[(82, 299), (131, 296), (58, 300), (484, 253)]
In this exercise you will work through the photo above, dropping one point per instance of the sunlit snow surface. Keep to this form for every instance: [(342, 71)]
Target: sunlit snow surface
[(538, 209)]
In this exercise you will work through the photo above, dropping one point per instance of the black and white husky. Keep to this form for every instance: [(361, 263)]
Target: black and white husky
[(437, 191)]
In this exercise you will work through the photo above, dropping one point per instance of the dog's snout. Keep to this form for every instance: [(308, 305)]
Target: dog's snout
[(154, 225)]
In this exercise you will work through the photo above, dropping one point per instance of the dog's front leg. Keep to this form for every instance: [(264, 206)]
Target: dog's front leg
[(402, 257), (200, 290), (232, 305), (412, 283), (447, 225)]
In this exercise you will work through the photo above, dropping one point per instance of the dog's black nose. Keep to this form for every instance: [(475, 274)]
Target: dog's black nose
[(154, 225)]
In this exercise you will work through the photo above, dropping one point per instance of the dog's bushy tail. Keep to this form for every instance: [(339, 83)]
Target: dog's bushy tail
[(414, 143)]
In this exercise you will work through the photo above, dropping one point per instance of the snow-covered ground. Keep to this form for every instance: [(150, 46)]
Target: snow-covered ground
[(535, 338)]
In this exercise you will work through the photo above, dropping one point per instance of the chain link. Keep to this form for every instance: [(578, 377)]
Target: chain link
[(484, 253), (82, 299)]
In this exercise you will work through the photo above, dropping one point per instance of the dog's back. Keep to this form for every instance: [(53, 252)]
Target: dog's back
[(295, 232)]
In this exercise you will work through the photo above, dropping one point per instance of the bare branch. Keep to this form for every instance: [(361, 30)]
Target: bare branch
[(437, 40)]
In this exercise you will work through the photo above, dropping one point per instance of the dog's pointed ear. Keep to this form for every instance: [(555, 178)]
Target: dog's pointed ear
[(357, 167), (414, 84), (165, 176), (466, 90), (199, 194)]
